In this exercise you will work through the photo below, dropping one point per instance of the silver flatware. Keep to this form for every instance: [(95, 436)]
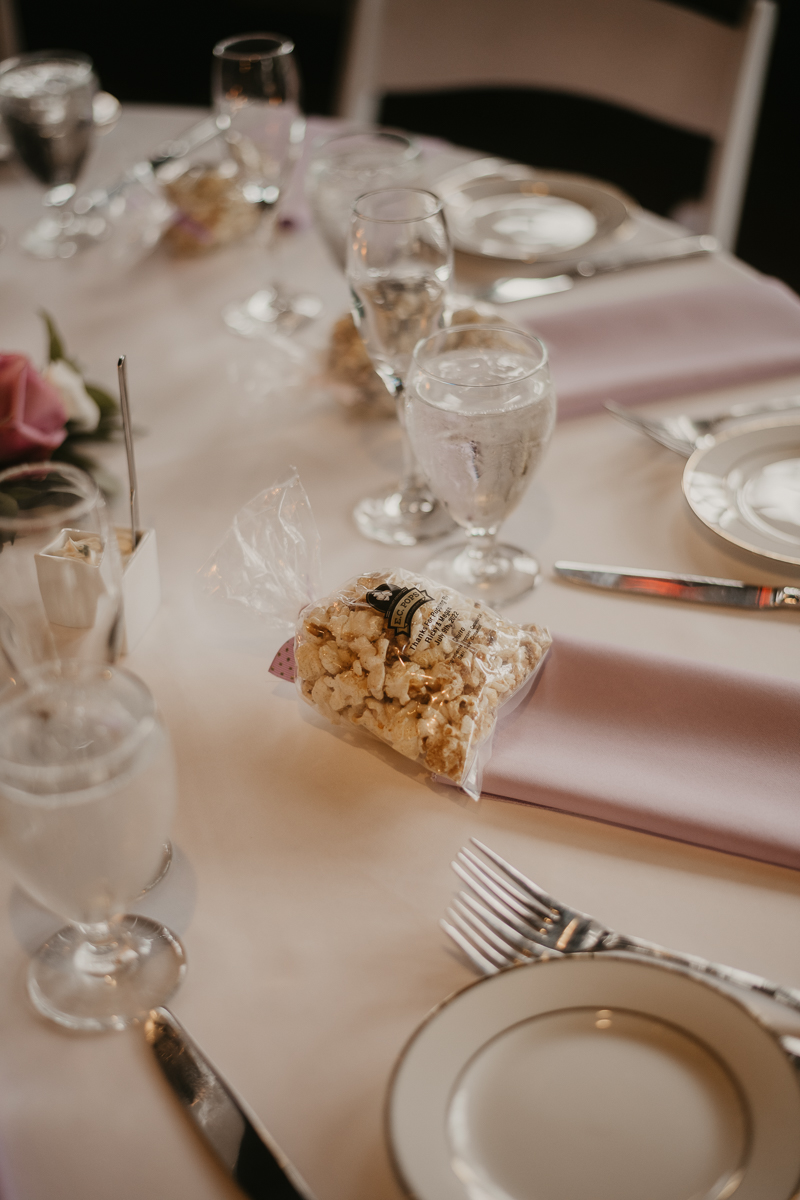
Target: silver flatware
[(685, 434), (124, 405), (699, 589), (508, 919), (506, 291), (243, 1147)]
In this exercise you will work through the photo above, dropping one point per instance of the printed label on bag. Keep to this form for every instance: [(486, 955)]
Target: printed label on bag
[(398, 604)]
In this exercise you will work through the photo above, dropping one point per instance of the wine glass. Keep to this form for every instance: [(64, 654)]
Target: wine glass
[(51, 107), (60, 569), (256, 91), (399, 264), (344, 166), (87, 792), (480, 410)]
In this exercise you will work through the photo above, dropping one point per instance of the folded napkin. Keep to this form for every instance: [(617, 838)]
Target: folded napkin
[(670, 747), (670, 345)]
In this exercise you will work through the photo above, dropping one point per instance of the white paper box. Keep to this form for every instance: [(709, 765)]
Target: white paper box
[(141, 588), (70, 587)]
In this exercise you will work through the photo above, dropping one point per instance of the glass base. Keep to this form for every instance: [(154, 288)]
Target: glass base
[(402, 518), (271, 311), (496, 577), (90, 990), (64, 234)]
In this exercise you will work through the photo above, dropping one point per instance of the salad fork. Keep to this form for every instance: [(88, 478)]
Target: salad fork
[(685, 434), (508, 920)]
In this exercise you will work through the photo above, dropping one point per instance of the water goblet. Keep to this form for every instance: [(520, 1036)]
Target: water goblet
[(344, 166), (399, 265), (60, 569), (51, 107), (256, 92), (87, 792), (480, 410)]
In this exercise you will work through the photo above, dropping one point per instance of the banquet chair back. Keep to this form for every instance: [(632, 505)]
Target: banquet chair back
[(648, 56)]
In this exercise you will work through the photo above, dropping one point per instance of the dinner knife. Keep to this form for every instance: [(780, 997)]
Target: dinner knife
[(701, 589), (243, 1147), (505, 291)]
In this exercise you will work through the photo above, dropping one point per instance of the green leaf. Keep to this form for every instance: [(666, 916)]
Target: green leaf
[(103, 399), (55, 349)]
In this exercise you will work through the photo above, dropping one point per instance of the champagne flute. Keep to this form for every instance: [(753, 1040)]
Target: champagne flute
[(51, 108), (256, 91), (399, 264), (343, 166), (87, 792), (60, 569), (480, 411)]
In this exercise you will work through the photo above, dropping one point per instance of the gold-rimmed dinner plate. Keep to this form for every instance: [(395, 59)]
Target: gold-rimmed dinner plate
[(745, 487), (597, 1076), (510, 211)]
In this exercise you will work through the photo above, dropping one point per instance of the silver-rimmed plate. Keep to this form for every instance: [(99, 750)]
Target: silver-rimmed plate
[(511, 211), (746, 487), (595, 1076)]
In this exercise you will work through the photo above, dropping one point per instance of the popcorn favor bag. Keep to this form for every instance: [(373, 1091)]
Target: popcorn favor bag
[(414, 663)]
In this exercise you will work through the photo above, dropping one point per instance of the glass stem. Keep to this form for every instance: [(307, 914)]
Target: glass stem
[(105, 951), (412, 481), (479, 548)]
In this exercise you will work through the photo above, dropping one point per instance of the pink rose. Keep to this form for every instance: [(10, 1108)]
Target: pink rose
[(32, 415)]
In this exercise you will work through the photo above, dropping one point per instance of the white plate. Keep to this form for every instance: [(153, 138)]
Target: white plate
[(595, 1078), (508, 210), (746, 487)]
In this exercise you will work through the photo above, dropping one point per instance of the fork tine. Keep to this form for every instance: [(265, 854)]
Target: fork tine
[(504, 957), (528, 884), (494, 929), (478, 961), (506, 906), (486, 873)]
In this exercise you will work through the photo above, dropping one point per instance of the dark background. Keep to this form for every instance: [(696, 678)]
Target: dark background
[(158, 51)]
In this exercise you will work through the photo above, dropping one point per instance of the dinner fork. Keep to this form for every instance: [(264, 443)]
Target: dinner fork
[(685, 434), (513, 921)]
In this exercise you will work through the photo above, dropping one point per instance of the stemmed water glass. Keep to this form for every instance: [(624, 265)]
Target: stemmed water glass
[(256, 91), (399, 265), (60, 569), (480, 410), (87, 792), (343, 166), (51, 108)]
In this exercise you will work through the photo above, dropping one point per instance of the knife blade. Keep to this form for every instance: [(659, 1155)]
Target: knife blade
[(506, 291), (700, 589), (243, 1147)]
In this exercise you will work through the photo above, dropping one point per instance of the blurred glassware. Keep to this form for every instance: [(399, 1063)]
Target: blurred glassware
[(399, 264), (51, 109), (87, 794), (343, 166), (480, 410), (256, 91), (60, 570)]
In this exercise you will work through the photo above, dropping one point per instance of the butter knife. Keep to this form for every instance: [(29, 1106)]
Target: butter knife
[(701, 589), (243, 1147), (506, 291)]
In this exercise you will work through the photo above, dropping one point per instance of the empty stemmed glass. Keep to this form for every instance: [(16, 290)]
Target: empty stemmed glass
[(51, 108), (344, 166), (256, 90), (399, 265), (480, 410), (87, 792)]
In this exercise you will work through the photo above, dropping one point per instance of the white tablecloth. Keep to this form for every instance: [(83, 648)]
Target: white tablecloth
[(321, 868)]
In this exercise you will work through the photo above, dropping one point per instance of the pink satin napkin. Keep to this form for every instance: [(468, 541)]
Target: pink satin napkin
[(634, 351), (670, 747)]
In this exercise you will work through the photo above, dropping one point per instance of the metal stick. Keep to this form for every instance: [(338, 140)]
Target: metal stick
[(122, 375)]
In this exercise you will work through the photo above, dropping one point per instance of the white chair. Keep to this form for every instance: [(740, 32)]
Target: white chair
[(653, 57)]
